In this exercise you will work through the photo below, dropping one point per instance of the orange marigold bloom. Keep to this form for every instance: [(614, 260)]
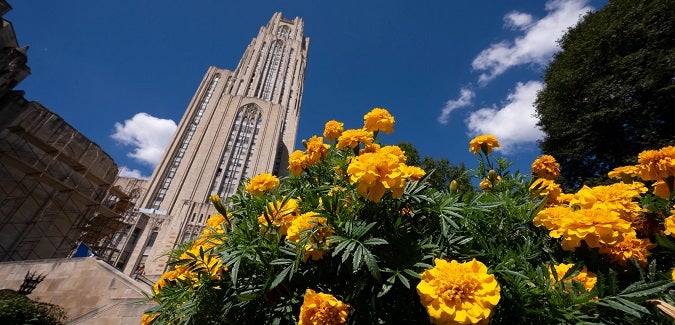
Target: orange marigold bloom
[(656, 165), (297, 162), (377, 172), (544, 187), (669, 225), (458, 293), (546, 167), (262, 183), (623, 173), (377, 120), (619, 197), (280, 215), (661, 189), (146, 319), (322, 308), (595, 226), (371, 147), (484, 143), (316, 150), (396, 151), (299, 229), (588, 279), (333, 130), (352, 138), (631, 246)]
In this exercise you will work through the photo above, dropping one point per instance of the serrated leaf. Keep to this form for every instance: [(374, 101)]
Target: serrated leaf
[(371, 263), (403, 280), (412, 273)]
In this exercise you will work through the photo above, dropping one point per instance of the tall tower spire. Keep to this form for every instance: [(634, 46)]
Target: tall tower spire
[(238, 124)]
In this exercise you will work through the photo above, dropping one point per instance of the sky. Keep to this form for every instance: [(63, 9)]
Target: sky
[(123, 72)]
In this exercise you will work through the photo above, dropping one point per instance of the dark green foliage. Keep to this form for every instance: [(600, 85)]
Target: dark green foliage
[(18, 309), (442, 171), (610, 92)]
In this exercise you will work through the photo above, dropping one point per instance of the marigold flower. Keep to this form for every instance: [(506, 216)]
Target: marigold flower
[(333, 130), (352, 138), (484, 143), (378, 119), (588, 279), (316, 150), (280, 215), (298, 230), (672, 275), (297, 162), (262, 183), (544, 187), (656, 165), (631, 246), (377, 172), (619, 197), (396, 151), (322, 308), (371, 147), (595, 226), (146, 319), (623, 173), (546, 167), (458, 293), (669, 225), (661, 189)]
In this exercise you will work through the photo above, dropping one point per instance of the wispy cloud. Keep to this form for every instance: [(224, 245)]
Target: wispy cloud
[(147, 135), (465, 97), (536, 45), (133, 173), (515, 123)]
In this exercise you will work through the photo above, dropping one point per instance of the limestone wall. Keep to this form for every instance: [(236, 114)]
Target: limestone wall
[(89, 290)]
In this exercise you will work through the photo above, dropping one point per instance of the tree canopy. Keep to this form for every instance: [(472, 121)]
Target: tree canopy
[(610, 92), (443, 171)]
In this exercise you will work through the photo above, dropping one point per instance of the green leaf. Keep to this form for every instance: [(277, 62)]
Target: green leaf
[(357, 258), (280, 277), (640, 289), (375, 241)]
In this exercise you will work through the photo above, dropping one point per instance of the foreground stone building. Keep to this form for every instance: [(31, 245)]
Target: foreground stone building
[(53, 179)]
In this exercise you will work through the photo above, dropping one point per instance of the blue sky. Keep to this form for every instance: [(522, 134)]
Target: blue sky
[(123, 72)]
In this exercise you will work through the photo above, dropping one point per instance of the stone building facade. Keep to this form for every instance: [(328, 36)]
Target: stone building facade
[(238, 124)]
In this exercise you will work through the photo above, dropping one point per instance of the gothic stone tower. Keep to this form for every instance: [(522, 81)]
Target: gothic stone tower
[(238, 124)]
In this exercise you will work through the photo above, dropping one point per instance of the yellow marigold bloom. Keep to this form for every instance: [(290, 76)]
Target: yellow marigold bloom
[(280, 215), (458, 293), (377, 172), (146, 319), (619, 197), (316, 150), (299, 229), (322, 308), (371, 147), (588, 279), (414, 172), (297, 162), (669, 225), (595, 226), (485, 184), (262, 183), (672, 275), (333, 130), (661, 189), (215, 221), (631, 246), (352, 138), (484, 143), (623, 173), (655, 165), (546, 167), (378, 119), (544, 187), (396, 151)]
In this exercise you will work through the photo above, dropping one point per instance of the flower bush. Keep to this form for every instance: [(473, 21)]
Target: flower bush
[(355, 235)]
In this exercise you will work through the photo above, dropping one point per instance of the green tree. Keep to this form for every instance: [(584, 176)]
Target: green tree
[(610, 92), (443, 171)]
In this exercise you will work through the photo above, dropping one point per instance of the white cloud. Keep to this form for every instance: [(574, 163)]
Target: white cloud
[(148, 135), (538, 43), (515, 123), (518, 20), (133, 173), (465, 97)]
